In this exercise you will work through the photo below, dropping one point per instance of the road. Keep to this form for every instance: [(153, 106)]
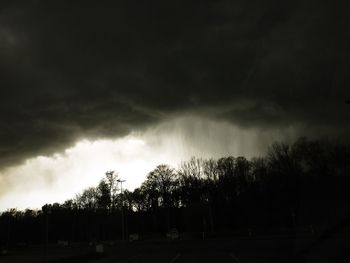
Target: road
[(215, 251), (233, 251), (179, 258), (249, 250)]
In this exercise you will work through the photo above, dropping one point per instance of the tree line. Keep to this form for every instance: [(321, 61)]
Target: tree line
[(293, 186)]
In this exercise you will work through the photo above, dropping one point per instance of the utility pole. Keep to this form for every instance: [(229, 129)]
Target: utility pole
[(122, 213)]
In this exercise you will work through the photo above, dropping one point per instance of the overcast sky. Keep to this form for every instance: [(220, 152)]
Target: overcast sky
[(104, 79)]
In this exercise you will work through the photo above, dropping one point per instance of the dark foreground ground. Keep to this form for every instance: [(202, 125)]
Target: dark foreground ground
[(239, 250)]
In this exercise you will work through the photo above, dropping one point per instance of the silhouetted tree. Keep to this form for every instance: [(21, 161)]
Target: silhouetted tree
[(227, 193), (104, 195), (111, 180), (161, 183)]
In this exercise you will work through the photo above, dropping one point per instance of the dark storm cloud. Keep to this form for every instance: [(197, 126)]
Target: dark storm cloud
[(78, 68)]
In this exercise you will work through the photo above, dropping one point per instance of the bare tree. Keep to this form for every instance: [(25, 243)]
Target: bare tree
[(111, 179)]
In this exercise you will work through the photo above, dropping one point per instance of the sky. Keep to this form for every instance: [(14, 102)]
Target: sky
[(91, 86)]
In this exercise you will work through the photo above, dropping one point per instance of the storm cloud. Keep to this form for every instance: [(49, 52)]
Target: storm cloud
[(88, 69)]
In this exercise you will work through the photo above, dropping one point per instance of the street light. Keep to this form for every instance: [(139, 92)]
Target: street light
[(121, 192)]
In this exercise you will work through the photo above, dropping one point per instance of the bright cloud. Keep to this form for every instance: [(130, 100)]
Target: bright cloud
[(48, 179)]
